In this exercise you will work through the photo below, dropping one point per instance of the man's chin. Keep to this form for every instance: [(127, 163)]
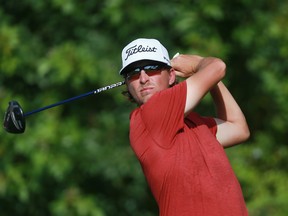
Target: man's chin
[(146, 98)]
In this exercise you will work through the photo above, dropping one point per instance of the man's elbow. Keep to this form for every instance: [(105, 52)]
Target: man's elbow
[(242, 135), (245, 134)]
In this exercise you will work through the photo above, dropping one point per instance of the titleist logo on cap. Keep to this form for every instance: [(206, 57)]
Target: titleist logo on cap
[(136, 49)]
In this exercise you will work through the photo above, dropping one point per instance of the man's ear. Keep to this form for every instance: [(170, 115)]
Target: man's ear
[(172, 76)]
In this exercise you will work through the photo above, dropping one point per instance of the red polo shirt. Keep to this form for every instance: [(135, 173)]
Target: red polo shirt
[(185, 166)]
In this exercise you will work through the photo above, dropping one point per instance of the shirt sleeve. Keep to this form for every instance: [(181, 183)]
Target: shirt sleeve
[(211, 123), (163, 114), (194, 119)]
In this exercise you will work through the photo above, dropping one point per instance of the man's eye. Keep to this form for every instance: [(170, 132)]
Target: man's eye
[(133, 76)]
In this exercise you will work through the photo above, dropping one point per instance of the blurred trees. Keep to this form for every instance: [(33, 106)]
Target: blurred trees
[(75, 159)]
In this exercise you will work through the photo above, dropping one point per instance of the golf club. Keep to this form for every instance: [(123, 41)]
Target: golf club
[(14, 119)]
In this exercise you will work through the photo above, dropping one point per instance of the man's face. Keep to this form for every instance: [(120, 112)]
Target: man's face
[(143, 82)]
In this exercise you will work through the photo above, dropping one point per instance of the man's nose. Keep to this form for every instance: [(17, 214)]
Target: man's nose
[(143, 76)]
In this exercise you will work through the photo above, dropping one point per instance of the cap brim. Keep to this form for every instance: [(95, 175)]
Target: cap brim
[(140, 63)]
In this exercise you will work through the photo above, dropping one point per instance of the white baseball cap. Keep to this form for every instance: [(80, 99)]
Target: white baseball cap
[(143, 49)]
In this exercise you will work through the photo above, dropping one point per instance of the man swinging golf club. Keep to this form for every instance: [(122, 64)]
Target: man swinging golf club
[(182, 153)]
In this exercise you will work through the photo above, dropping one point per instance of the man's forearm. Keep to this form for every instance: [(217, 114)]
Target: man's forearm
[(232, 126), (227, 108)]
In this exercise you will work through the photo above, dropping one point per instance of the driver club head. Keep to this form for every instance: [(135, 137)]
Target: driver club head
[(14, 119)]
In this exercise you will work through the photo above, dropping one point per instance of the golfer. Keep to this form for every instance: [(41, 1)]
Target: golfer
[(182, 153)]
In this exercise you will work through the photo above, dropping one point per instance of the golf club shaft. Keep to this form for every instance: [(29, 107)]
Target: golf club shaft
[(76, 97)]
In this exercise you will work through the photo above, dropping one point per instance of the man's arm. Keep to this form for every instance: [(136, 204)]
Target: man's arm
[(202, 74), (232, 127)]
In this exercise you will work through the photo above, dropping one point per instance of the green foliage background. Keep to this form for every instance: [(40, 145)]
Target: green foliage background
[(75, 159)]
